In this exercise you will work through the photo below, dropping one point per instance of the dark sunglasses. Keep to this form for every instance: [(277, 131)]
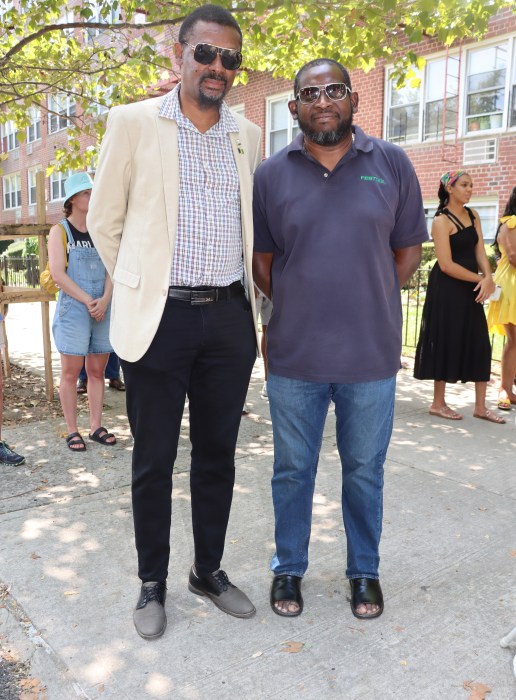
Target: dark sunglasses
[(206, 53), (310, 94)]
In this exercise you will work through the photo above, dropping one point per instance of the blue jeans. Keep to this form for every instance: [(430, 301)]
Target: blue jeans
[(364, 413)]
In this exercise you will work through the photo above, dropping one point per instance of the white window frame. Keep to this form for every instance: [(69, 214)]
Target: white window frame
[(57, 180), (292, 126), (493, 121), (31, 184), (10, 133), (34, 128), (512, 89), (98, 108), (483, 205), (389, 106), (112, 18), (11, 185), (239, 109), (451, 94), (5, 6), (60, 106), (67, 18)]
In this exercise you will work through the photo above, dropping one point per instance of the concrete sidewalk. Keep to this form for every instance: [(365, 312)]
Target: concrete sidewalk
[(67, 562)]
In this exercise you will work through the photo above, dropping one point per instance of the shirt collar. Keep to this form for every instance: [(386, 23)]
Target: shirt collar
[(171, 109), (362, 141)]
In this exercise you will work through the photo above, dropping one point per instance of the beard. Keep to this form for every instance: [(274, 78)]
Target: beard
[(322, 137), (209, 99)]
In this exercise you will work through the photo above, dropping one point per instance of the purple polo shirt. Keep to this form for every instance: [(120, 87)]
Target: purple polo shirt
[(337, 304)]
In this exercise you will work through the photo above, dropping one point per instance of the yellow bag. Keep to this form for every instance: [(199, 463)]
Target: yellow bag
[(45, 279)]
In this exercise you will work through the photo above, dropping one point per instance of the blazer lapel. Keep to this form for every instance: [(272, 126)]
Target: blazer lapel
[(167, 134)]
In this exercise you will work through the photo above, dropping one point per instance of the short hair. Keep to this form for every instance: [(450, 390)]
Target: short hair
[(320, 62), (208, 13)]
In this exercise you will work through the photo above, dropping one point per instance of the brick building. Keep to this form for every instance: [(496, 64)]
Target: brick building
[(463, 114)]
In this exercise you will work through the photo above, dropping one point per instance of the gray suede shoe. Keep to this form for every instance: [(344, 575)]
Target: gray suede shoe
[(149, 617), (224, 594)]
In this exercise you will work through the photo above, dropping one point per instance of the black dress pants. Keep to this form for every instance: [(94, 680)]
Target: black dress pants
[(205, 352)]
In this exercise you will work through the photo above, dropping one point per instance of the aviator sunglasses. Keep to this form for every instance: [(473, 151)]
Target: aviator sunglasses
[(311, 93), (206, 53)]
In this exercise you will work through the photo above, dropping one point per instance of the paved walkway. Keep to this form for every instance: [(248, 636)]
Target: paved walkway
[(67, 563)]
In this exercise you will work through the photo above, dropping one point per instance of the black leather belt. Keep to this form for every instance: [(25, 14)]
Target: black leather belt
[(206, 295)]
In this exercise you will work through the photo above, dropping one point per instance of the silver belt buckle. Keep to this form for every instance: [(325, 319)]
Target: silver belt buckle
[(198, 301)]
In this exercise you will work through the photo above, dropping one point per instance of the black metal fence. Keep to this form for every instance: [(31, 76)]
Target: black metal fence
[(24, 272), (413, 299), (20, 272)]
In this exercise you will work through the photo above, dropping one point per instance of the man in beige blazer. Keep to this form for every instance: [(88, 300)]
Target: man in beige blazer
[(171, 217)]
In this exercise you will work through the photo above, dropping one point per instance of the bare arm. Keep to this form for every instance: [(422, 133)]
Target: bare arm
[(407, 261), (262, 264), (508, 242)]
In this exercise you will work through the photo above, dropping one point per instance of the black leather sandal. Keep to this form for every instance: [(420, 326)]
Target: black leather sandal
[(286, 588), (75, 442), (366, 591), (101, 435)]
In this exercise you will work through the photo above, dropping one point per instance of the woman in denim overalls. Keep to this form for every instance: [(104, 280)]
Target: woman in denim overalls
[(81, 319)]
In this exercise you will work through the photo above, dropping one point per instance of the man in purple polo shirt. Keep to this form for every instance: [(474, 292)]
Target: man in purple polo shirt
[(339, 224)]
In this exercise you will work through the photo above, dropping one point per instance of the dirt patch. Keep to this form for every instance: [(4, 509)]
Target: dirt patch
[(25, 399)]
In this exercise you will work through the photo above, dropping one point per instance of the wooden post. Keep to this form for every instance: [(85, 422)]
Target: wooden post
[(45, 309)]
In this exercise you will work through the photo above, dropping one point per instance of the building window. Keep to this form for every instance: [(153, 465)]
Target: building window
[(485, 88), (403, 113), (488, 214), (12, 191), (486, 100), (31, 182), (103, 103), (9, 137), (5, 6), (437, 75), (57, 181), (60, 107), (239, 109), (34, 128), (512, 108), (281, 128), (110, 15), (67, 18)]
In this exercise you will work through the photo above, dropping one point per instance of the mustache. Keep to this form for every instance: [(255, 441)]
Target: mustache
[(214, 76)]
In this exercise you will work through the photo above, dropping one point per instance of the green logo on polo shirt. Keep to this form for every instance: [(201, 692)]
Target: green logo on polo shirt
[(372, 178)]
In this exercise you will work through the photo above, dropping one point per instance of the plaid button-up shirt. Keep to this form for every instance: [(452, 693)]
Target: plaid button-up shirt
[(208, 248)]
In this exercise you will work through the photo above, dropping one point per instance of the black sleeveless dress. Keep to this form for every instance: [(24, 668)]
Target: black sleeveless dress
[(454, 341)]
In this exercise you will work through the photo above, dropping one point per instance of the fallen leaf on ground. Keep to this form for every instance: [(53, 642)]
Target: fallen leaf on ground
[(292, 647), (35, 556), (71, 593), (478, 690)]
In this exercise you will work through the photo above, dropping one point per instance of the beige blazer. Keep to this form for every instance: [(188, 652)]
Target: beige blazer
[(132, 216)]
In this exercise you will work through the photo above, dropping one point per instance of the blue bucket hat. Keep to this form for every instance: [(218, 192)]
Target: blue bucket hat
[(77, 182)]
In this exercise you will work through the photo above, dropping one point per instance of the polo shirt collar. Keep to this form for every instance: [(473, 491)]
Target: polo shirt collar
[(362, 141), (171, 109)]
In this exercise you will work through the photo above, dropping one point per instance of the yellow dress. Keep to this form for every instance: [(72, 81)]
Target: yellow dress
[(504, 310)]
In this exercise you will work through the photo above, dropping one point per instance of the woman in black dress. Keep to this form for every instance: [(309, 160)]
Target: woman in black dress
[(454, 342)]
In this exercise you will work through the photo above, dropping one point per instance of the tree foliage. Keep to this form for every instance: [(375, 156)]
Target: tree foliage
[(104, 52)]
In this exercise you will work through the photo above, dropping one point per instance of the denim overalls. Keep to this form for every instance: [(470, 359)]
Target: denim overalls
[(75, 331)]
